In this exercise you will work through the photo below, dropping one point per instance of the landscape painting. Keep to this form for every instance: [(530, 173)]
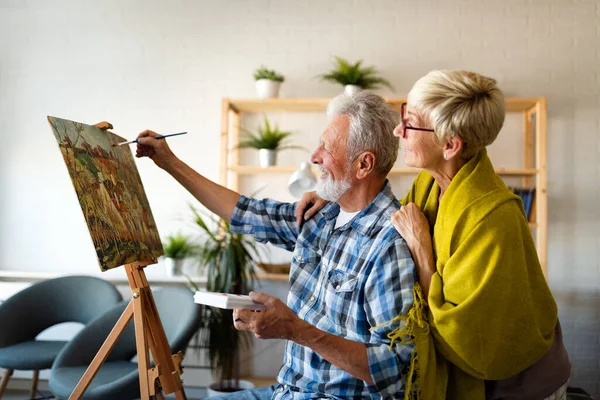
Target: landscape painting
[(110, 193)]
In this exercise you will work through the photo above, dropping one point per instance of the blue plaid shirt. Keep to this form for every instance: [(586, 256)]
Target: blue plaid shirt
[(344, 281)]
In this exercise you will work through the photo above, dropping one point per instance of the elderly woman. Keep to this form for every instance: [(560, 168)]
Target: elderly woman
[(491, 312)]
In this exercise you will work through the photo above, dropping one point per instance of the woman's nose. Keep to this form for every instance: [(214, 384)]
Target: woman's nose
[(399, 131)]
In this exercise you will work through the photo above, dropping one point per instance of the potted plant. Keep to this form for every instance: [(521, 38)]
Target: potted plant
[(229, 260), (268, 82), (176, 248), (267, 140), (354, 77)]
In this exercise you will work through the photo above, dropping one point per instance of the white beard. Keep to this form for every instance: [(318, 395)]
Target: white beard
[(330, 189)]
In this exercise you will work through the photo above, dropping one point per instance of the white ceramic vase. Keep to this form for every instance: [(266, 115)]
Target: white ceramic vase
[(173, 266), (351, 90), (267, 157), (267, 89)]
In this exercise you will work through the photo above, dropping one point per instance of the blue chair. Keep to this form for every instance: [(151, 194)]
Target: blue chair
[(118, 377), (44, 304)]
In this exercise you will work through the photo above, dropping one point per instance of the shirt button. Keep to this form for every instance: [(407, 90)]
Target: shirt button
[(337, 287), (312, 298), (285, 386)]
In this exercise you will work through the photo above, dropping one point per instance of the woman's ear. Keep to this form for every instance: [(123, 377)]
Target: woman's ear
[(366, 164), (453, 147)]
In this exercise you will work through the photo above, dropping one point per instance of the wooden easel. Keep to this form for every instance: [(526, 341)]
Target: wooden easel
[(149, 332)]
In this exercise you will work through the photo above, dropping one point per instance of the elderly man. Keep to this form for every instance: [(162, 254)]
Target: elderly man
[(351, 271)]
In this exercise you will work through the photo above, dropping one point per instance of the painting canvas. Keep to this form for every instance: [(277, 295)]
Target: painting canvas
[(110, 193)]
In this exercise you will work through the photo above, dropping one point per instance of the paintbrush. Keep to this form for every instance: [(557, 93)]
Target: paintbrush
[(155, 137)]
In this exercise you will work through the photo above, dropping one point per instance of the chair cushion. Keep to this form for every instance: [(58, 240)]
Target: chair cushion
[(30, 355), (115, 380)]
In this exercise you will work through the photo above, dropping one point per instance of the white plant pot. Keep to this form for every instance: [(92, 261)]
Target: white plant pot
[(214, 389), (267, 157), (351, 90), (173, 266), (267, 89)]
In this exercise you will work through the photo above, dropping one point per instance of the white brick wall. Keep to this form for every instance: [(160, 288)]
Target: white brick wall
[(166, 65)]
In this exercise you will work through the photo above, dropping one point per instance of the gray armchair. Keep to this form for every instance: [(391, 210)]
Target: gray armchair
[(118, 377), (44, 304)]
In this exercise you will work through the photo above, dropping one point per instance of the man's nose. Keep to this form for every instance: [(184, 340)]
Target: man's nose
[(313, 158)]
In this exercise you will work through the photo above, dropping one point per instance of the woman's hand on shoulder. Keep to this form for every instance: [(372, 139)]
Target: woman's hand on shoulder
[(412, 225), (308, 206)]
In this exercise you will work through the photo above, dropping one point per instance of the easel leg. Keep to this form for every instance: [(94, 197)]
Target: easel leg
[(149, 332), (108, 345), (142, 344), (170, 381), (155, 336)]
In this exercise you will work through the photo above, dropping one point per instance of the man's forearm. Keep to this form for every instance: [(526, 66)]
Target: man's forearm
[(213, 196), (345, 354)]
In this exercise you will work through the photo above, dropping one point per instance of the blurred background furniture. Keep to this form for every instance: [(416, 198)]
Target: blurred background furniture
[(45, 304), (118, 377), (529, 171)]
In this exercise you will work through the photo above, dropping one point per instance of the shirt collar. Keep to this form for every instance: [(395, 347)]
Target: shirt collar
[(364, 221)]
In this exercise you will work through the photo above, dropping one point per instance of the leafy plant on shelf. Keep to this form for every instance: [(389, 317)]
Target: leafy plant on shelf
[(265, 137), (270, 74), (229, 260), (346, 73), (179, 246)]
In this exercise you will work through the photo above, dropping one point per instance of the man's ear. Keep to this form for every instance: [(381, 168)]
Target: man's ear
[(453, 147), (366, 164)]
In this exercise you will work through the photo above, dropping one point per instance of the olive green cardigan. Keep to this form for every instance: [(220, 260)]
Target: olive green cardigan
[(490, 310)]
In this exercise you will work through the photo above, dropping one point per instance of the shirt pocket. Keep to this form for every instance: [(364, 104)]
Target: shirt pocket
[(306, 255), (304, 271), (341, 297)]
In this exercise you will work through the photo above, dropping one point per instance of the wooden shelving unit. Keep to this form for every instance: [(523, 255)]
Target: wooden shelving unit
[(254, 169), (533, 172)]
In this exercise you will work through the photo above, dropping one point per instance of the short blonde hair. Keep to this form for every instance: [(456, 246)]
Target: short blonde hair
[(460, 103)]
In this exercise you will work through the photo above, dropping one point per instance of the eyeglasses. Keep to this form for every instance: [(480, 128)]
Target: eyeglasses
[(404, 127)]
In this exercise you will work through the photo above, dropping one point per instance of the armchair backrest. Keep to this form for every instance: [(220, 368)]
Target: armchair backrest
[(179, 315), (50, 302)]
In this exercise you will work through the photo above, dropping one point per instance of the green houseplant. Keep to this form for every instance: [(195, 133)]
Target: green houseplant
[(268, 82), (354, 77), (267, 139), (229, 260), (176, 248)]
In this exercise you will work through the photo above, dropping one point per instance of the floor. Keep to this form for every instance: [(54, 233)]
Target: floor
[(192, 393)]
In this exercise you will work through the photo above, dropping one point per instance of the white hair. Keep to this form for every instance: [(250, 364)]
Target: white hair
[(460, 103), (372, 123)]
